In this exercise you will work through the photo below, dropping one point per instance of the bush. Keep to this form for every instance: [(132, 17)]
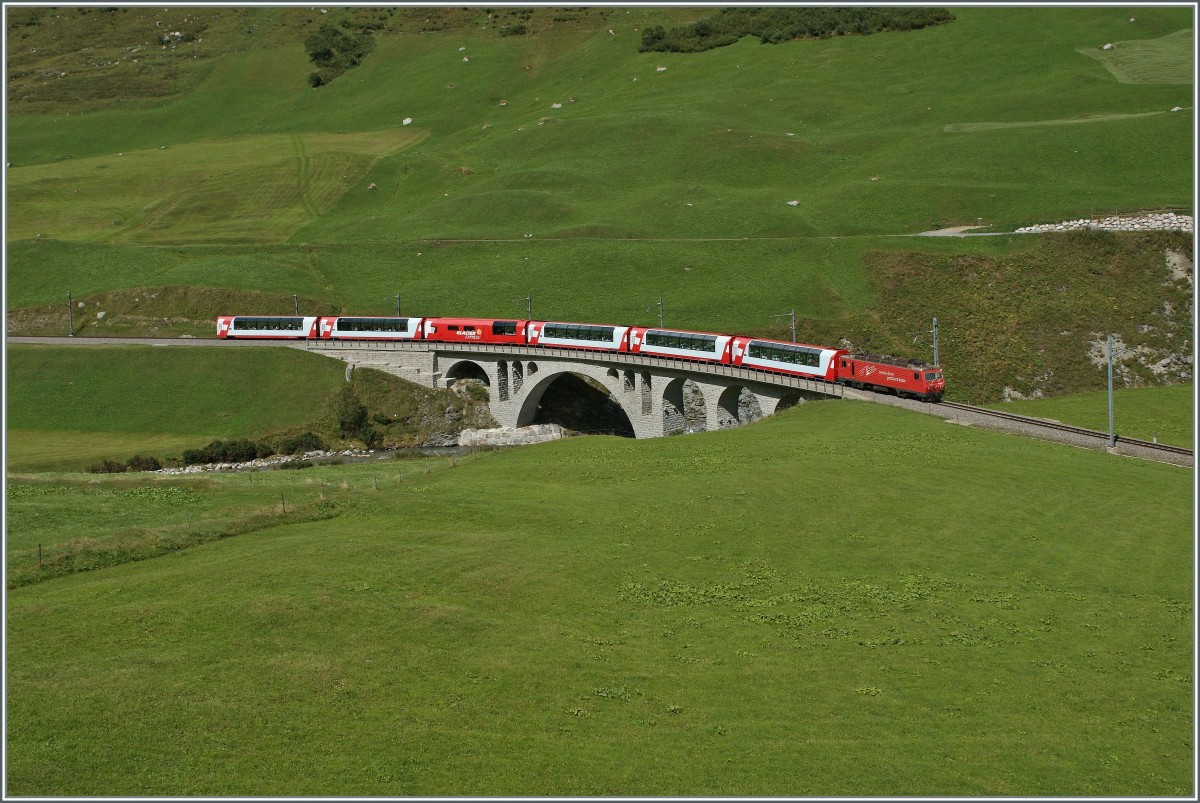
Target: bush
[(775, 25), (334, 51), (298, 444), (351, 413), (234, 451), (140, 463)]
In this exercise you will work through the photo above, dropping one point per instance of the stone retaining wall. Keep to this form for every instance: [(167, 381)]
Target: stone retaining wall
[(510, 436), (1146, 221)]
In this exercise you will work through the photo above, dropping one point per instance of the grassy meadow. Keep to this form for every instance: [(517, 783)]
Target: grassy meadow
[(792, 608), (69, 405), (565, 165), (1165, 413), (711, 148), (843, 600)]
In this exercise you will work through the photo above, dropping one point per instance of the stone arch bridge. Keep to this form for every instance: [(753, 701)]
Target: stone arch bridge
[(649, 390)]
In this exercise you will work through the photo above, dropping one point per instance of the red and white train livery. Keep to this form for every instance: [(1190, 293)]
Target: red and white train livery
[(868, 371)]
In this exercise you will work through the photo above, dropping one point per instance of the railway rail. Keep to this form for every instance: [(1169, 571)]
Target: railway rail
[(1078, 436)]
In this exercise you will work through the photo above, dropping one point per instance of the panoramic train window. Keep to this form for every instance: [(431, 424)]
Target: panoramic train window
[(797, 355), (504, 327), (576, 331), (372, 324), (681, 340), (270, 324)]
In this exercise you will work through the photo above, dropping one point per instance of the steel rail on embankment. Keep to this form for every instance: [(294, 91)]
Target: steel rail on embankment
[(1042, 429)]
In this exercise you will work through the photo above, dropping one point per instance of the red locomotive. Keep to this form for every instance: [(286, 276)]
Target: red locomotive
[(903, 377)]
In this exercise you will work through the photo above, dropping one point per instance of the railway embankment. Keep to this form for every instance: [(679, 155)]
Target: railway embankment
[(1143, 221), (1043, 429)]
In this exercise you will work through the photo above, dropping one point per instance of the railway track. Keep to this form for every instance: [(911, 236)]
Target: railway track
[(962, 413), (1079, 435)]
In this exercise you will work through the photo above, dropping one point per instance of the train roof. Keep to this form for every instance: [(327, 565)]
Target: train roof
[(786, 343), (665, 330), (886, 359)]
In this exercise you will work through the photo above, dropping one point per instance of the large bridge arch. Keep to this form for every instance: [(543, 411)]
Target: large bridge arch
[(536, 382)]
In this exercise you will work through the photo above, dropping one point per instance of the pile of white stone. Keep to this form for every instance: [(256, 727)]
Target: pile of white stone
[(264, 462), (510, 436), (1146, 221)]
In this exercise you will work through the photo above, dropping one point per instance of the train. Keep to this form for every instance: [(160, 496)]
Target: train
[(881, 373)]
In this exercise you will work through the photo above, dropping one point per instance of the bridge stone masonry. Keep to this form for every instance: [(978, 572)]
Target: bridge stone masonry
[(650, 391)]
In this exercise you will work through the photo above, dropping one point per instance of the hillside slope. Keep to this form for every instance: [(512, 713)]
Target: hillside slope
[(464, 165)]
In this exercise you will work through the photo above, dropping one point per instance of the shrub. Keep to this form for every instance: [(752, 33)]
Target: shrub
[(351, 416), (775, 25), (334, 51), (234, 451), (298, 444), (140, 463)]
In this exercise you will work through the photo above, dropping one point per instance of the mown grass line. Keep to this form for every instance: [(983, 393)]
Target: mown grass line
[(40, 450), (87, 554), (190, 391), (1165, 60)]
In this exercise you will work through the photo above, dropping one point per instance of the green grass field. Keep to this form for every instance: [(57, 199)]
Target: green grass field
[(171, 391), (196, 192), (723, 139), (71, 407), (794, 608), (1166, 414), (1165, 60)]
